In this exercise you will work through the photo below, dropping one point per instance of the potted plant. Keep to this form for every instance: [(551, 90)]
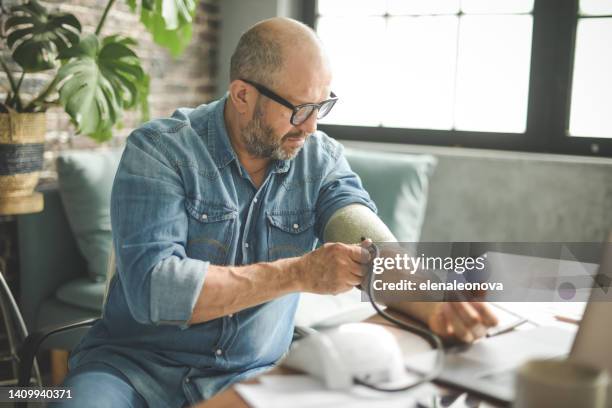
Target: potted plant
[(94, 79)]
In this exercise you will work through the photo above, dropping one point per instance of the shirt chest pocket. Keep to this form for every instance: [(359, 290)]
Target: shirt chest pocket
[(210, 231), (290, 233)]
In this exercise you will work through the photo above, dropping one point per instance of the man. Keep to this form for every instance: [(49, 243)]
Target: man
[(215, 213)]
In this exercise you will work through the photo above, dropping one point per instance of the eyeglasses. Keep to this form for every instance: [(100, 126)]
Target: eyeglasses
[(301, 113)]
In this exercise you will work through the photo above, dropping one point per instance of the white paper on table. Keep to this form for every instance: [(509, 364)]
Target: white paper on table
[(301, 391), (543, 313)]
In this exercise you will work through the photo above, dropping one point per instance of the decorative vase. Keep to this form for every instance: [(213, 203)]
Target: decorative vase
[(22, 137)]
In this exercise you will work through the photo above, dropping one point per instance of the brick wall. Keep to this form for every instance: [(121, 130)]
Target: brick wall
[(188, 80)]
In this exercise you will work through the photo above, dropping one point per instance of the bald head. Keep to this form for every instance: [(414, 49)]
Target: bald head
[(266, 52)]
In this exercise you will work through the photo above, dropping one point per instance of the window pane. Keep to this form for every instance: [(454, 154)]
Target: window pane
[(496, 6), (595, 7), (591, 112), (357, 62), (493, 73), (421, 72), (351, 7), (423, 7)]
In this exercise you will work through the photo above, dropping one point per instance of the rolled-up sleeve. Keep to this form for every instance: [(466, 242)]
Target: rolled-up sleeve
[(149, 222), (340, 187)]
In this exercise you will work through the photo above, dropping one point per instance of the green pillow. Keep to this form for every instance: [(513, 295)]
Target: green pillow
[(398, 184), (85, 182), (82, 293)]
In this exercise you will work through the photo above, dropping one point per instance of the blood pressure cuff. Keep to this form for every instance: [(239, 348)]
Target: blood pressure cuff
[(350, 223)]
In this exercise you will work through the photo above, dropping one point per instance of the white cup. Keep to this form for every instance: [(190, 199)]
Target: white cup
[(560, 384)]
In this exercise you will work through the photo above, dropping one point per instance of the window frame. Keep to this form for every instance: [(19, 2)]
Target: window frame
[(548, 105)]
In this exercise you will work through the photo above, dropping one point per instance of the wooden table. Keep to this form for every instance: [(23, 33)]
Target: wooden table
[(408, 342)]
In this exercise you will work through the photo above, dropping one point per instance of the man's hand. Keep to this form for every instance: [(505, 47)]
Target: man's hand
[(464, 321), (333, 268)]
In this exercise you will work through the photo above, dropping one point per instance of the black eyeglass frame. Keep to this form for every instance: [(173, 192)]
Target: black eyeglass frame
[(294, 108)]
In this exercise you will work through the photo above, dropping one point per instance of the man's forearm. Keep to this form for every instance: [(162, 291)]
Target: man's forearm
[(229, 289)]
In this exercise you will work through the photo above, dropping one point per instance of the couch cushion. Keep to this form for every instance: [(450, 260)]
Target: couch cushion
[(398, 184), (82, 293), (85, 183)]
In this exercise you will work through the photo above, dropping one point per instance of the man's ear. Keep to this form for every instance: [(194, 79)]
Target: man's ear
[(242, 96)]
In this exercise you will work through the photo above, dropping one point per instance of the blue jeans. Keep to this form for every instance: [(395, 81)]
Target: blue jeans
[(97, 385)]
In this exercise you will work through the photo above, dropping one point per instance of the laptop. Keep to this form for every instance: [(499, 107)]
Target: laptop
[(488, 366)]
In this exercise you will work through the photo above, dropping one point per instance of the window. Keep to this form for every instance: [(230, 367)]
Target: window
[(591, 108), (429, 64), (531, 75)]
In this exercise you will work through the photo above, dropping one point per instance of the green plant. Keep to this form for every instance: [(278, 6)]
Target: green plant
[(96, 78)]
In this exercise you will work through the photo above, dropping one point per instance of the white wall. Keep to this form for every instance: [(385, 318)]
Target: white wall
[(236, 17)]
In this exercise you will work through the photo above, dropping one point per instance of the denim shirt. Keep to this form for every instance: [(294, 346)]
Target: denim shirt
[(181, 201)]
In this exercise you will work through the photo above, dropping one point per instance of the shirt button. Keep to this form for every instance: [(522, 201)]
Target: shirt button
[(204, 216), (231, 315), (255, 200), (219, 352), (246, 244), (187, 380), (296, 226)]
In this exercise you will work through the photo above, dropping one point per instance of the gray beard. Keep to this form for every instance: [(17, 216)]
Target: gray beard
[(259, 141)]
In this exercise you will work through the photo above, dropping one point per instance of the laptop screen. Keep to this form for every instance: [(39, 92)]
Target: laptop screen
[(592, 343)]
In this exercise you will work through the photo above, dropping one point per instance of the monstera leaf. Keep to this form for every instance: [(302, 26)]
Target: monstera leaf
[(37, 36), (98, 81), (170, 21)]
